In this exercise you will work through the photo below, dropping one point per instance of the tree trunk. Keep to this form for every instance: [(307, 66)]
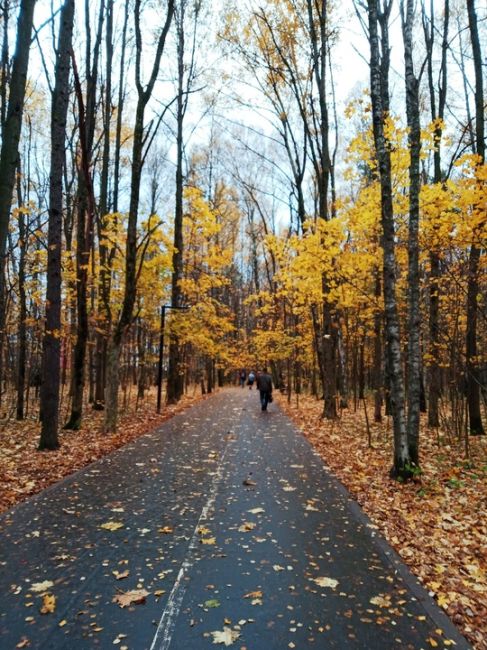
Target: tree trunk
[(379, 85), (112, 383), (52, 336), (22, 343), (473, 376), (175, 373), (13, 122), (437, 114), (414, 309)]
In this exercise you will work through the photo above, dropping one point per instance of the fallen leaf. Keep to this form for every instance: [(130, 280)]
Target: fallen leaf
[(256, 511), (120, 575), (381, 601), (203, 530), (48, 604), (112, 525), (133, 597), (246, 526), (226, 637), (208, 540), (254, 594), (39, 587), (326, 582), (166, 530), (209, 604)]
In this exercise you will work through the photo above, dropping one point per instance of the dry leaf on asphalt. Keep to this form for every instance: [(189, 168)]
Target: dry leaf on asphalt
[(120, 575), (48, 604), (326, 582), (39, 587), (133, 597), (226, 637), (112, 525), (246, 526)]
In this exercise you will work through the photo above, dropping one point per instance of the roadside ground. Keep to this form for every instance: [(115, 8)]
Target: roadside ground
[(437, 524)]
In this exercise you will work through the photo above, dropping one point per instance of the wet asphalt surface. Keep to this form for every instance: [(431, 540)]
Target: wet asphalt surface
[(230, 521)]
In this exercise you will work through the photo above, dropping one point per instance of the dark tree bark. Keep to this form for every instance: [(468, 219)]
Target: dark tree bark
[(379, 88), (175, 374), (11, 123), (52, 335), (9, 153), (22, 340), (377, 374), (414, 309), (473, 375)]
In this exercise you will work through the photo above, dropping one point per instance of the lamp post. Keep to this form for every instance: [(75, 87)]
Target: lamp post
[(161, 352)]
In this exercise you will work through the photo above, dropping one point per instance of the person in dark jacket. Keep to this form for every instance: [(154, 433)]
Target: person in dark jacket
[(264, 384)]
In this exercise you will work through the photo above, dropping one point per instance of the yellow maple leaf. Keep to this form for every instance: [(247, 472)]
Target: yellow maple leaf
[(208, 540), (48, 604)]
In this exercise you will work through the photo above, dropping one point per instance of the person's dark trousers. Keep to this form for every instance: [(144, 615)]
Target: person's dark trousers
[(264, 399)]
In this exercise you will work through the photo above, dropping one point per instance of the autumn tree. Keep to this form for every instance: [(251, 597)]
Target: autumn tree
[(52, 336), (378, 17), (11, 123), (478, 214), (132, 263)]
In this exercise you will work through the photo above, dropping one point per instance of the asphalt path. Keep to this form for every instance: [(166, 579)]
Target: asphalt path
[(221, 527)]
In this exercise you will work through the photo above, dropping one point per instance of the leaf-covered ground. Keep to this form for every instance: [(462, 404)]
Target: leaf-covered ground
[(26, 471), (437, 524)]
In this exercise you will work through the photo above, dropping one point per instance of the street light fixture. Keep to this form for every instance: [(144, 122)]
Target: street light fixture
[(161, 351)]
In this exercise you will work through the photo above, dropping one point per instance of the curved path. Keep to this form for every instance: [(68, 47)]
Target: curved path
[(234, 527)]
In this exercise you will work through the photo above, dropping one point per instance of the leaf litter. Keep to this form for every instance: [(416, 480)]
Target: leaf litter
[(436, 523)]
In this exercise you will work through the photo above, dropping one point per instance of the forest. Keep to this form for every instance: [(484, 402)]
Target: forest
[(189, 188), (184, 193)]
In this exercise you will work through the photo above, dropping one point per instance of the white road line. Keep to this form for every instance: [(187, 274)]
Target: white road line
[(165, 629)]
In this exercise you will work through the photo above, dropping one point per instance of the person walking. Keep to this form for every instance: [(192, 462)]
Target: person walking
[(264, 385), (242, 377), (251, 379)]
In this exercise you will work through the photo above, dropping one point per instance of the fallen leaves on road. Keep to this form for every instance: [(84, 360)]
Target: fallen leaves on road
[(26, 471), (436, 523)]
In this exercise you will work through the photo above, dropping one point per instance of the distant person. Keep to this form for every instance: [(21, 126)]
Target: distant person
[(251, 379), (264, 384), (243, 377)]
